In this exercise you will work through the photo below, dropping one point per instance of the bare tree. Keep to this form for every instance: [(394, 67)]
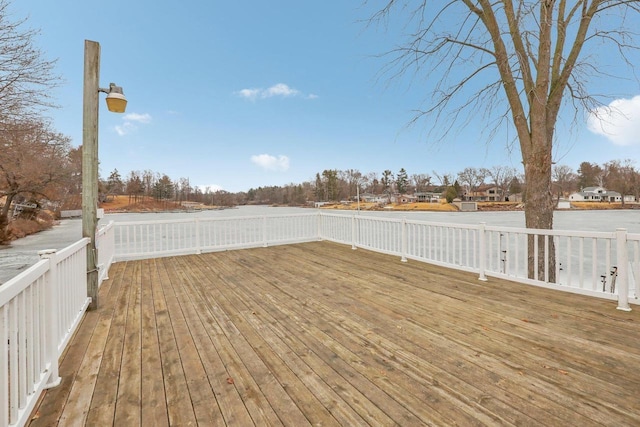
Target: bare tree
[(114, 184), (134, 187), (445, 179), (472, 178), (373, 183), (32, 160), (420, 181), (620, 176), (502, 177), (519, 62), (563, 178), (26, 77), (350, 178), (387, 183), (589, 175)]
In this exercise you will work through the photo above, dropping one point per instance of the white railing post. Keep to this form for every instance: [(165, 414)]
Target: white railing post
[(482, 254), (265, 242), (623, 269), (5, 382), (403, 242), (353, 232), (198, 243), (319, 226), (51, 316)]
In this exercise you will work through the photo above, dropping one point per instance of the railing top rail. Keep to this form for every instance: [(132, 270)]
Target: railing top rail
[(362, 217), (102, 230), (563, 233), (73, 248), (444, 224), (20, 282), (235, 218)]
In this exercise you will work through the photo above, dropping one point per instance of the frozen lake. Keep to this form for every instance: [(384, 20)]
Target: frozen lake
[(23, 253)]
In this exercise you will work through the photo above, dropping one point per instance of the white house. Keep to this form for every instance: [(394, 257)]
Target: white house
[(373, 198), (595, 194), (428, 196)]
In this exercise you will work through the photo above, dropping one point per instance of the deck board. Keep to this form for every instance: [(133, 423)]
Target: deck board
[(319, 334)]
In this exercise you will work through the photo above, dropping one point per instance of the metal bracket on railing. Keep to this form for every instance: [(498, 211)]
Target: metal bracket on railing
[(612, 285), (614, 276), (504, 262)]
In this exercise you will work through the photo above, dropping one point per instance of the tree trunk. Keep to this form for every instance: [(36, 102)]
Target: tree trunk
[(539, 207), (4, 218)]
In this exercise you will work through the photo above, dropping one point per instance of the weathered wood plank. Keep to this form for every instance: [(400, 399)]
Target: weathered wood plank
[(154, 408), (253, 380), (546, 387), (77, 409), (103, 400), (203, 399), (545, 363), (176, 389), (427, 406), (293, 401), (337, 393), (318, 333), (128, 401), (201, 320)]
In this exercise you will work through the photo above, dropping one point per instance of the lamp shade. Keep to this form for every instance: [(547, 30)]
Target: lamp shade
[(116, 102)]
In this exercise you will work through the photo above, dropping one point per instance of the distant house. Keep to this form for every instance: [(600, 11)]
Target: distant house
[(595, 194), (428, 196), (373, 198), (487, 193)]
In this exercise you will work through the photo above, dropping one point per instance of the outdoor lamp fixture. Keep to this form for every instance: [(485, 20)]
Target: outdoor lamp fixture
[(116, 101)]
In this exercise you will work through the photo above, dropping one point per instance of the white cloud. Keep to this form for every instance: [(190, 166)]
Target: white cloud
[(130, 122), (125, 128), (271, 163), (251, 94), (213, 188), (280, 89), (619, 122), (140, 118)]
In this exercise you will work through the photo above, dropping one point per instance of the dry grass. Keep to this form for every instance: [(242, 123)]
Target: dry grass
[(438, 207), (599, 205), (500, 206), (143, 204)]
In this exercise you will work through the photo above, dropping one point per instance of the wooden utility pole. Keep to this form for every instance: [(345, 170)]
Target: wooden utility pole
[(90, 163)]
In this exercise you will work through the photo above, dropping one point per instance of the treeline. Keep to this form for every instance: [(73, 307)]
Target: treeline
[(336, 185), (39, 166)]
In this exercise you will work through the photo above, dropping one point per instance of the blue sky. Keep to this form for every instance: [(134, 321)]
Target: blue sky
[(242, 94)]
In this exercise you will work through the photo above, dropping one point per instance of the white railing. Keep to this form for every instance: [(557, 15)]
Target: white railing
[(39, 311), (599, 264), (133, 240), (41, 307), (590, 263)]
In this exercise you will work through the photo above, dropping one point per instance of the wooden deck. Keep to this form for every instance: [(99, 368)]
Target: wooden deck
[(319, 334)]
